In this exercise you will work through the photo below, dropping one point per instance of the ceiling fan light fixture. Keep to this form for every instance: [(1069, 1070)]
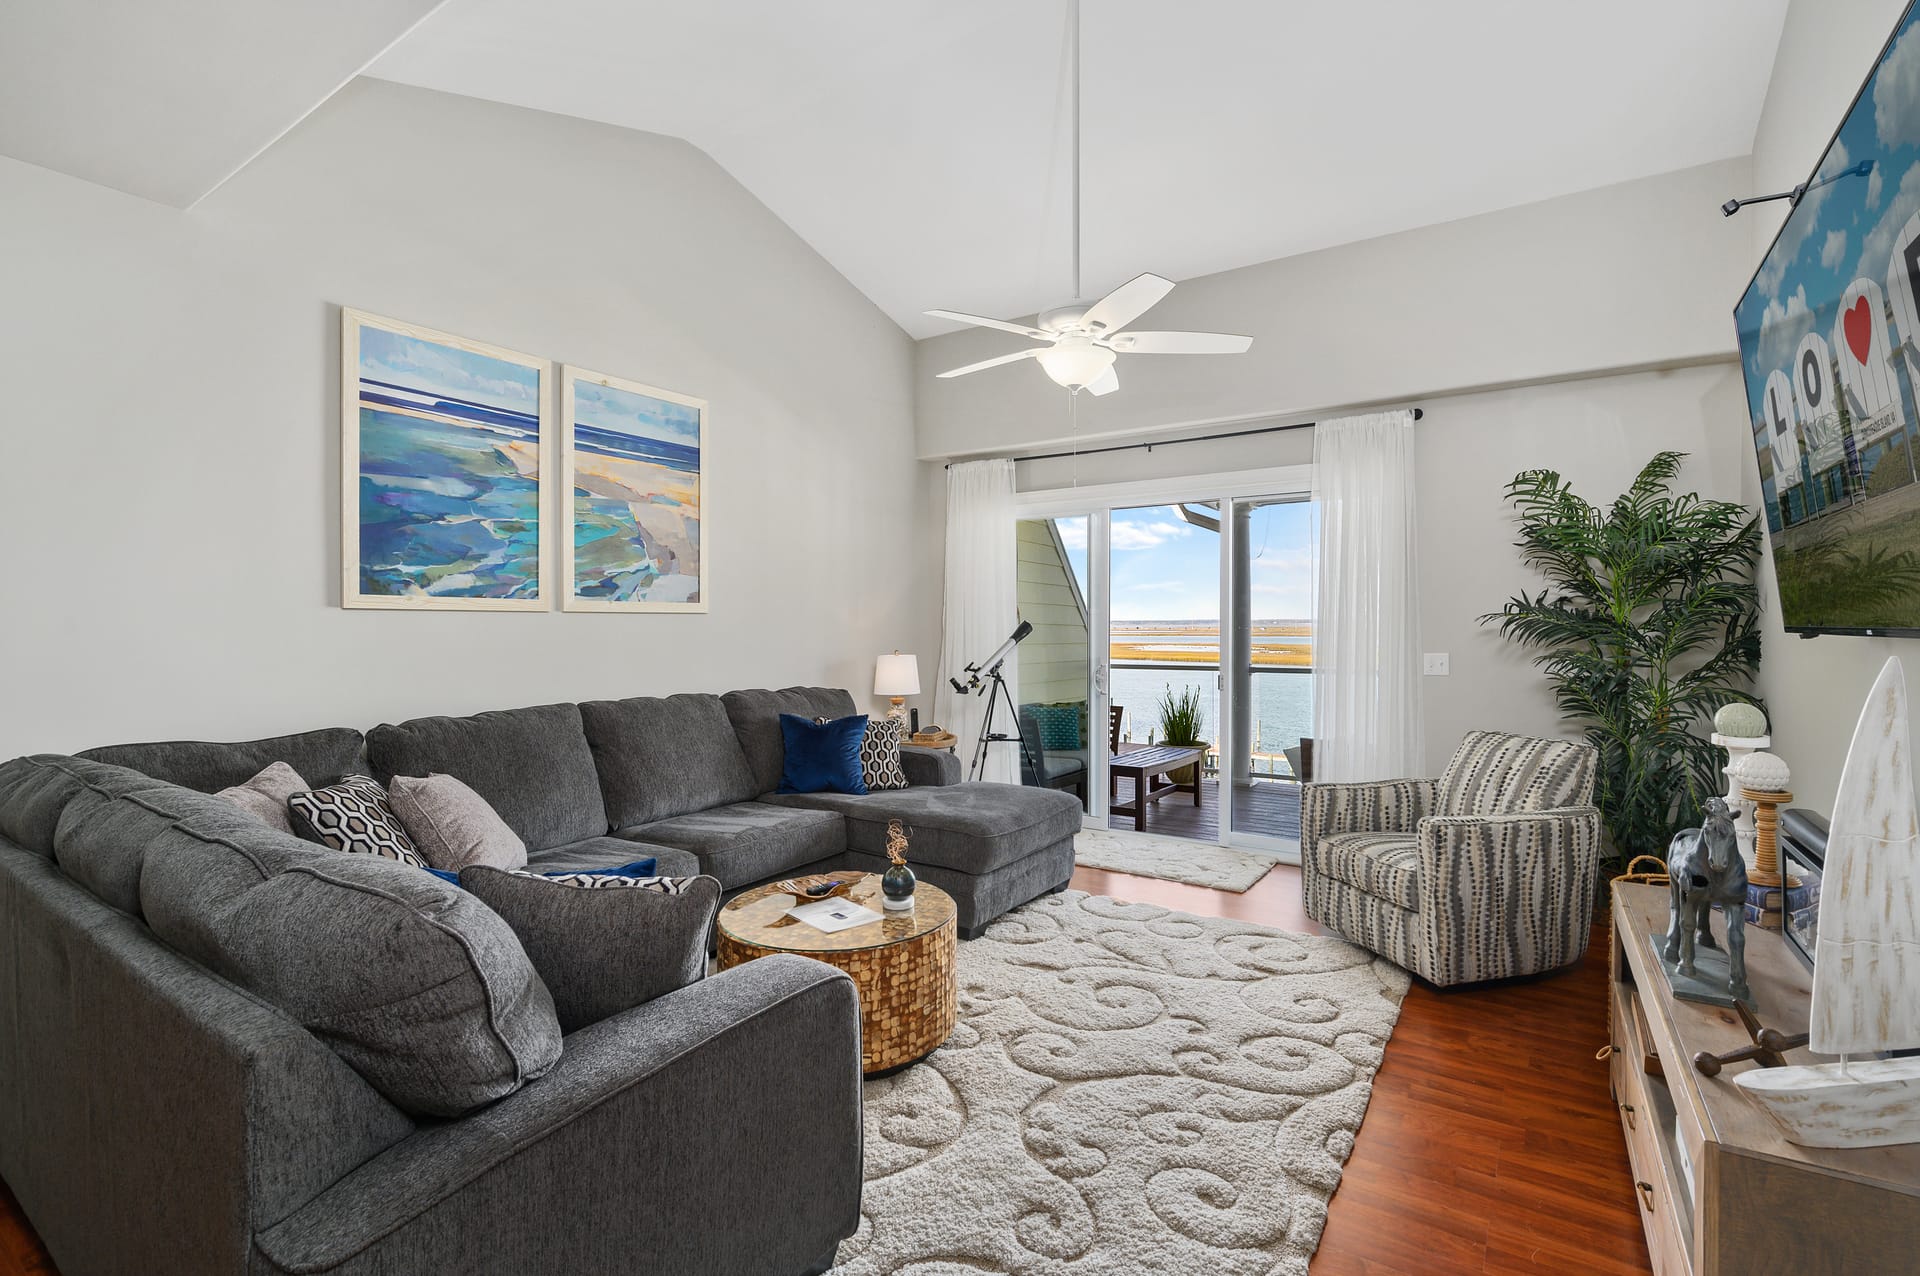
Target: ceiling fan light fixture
[(1075, 362)]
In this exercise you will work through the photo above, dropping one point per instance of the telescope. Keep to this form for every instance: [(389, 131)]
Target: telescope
[(990, 667)]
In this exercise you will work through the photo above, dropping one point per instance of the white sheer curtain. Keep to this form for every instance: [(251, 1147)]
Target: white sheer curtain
[(1366, 640), (982, 604)]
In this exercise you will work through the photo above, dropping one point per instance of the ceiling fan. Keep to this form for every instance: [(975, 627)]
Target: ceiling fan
[(1081, 340)]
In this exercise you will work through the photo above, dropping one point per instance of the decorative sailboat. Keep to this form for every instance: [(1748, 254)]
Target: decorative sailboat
[(1866, 973)]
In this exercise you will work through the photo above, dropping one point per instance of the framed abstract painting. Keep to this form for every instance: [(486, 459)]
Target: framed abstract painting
[(442, 499), (630, 465)]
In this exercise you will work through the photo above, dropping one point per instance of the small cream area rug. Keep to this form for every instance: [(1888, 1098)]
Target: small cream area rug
[(1129, 1090), (1172, 859)]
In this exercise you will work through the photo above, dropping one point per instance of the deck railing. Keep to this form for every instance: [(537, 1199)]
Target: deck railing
[(1266, 763)]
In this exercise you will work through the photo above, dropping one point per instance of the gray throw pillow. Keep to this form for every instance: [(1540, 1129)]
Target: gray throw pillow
[(880, 754), (264, 797), (452, 826), (599, 949)]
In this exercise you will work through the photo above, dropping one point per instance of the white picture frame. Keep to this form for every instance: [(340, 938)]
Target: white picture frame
[(636, 441), (417, 406)]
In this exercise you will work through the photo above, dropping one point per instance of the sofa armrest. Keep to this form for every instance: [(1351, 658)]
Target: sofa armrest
[(716, 1130), (929, 766), (1508, 894), (1385, 806)]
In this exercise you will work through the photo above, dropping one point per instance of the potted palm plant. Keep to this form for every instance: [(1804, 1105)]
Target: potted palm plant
[(1180, 724), (1650, 622)]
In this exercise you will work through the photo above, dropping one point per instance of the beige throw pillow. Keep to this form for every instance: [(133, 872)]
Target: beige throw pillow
[(453, 826), (264, 797)]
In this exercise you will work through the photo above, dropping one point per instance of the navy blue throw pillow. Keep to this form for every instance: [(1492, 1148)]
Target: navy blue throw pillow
[(822, 757)]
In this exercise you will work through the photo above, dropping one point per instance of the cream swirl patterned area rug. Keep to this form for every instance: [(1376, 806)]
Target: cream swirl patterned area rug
[(1171, 859), (1129, 1090)]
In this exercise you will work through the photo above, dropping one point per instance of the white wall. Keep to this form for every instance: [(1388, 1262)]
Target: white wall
[(1814, 687), (1637, 275), (170, 491)]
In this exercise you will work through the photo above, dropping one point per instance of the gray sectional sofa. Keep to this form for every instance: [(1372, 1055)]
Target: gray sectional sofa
[(205, 1024)]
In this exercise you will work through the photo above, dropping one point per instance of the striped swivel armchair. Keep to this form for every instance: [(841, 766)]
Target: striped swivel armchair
[(1484, 873)]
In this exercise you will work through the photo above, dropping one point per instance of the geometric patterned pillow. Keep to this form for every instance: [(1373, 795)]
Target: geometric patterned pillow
[(593, 881), (880, 754), (353, 815)]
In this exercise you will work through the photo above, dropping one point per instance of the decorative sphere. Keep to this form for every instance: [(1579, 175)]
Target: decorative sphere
[(1762, 772), (1740, 719)]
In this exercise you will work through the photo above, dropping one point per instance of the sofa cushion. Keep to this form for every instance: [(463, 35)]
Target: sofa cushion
[(265, 796), (532, 766), (321, 757), (1493, 772), (35, 792), (880, 755), (419, 986), (354, 816), (452, 826), (748, 842), (1384, 865), (603, 951), (661, 757), (971, 828), (611, 852), (97, 821), (756, 723), (822, 756)]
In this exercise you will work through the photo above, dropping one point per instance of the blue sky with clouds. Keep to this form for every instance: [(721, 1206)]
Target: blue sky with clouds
[(433, 368), (1841, 230), (1168, 569)]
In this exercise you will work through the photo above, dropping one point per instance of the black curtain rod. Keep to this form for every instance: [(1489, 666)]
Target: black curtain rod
[(1198, 438)]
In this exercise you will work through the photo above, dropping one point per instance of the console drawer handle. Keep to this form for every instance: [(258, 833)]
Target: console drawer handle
[(1646, 1193), (1628, 1109)]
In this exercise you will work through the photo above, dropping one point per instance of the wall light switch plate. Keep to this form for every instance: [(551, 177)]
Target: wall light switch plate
[(1435, 664)]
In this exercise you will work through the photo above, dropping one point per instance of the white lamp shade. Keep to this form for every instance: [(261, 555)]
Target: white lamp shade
[(1076, 362), (896, 675)]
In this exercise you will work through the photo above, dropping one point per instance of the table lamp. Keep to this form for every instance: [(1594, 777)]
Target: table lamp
[(896, 677)]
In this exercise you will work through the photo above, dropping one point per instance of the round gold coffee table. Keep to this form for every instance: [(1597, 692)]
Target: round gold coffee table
[(902, 964)]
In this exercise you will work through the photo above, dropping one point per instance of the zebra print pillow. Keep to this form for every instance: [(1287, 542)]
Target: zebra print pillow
[(353, 815), (596, 881)]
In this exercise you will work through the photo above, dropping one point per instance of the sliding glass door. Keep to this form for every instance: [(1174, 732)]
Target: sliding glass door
[(1171, 613)]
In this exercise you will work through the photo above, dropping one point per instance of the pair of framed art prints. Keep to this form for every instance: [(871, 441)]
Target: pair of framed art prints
[(451, 461)]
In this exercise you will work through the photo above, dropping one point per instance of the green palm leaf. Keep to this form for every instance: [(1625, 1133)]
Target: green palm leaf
[(1648, 624)]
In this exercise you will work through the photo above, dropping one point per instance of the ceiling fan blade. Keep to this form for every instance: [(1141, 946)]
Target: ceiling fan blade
[(980, 321), (1106, 383), (1179, 343), (992, 363), (1126, 303)]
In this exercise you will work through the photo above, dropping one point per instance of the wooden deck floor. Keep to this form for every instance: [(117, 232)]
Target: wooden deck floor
[(1490, 1145), (1270, 808)]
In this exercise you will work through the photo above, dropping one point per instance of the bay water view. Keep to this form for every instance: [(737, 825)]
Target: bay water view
[(1281, 684)]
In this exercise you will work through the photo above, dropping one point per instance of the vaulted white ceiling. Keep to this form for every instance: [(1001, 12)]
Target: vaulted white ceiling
[(919, 144), (168, 98)]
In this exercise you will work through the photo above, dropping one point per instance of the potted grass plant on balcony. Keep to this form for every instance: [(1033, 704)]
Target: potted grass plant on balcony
[(1650, 622), (1180, 724)]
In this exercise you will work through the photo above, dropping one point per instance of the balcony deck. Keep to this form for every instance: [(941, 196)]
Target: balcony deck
[(1270, 808)]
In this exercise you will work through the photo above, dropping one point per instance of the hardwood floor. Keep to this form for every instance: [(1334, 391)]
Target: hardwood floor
[(1490, 1144)]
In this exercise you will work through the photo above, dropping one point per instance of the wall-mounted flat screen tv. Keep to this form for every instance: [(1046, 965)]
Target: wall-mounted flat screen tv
[(1830, 347)]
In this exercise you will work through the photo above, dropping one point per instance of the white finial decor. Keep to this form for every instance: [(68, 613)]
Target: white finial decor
[(1763, 771), (1867, 957)]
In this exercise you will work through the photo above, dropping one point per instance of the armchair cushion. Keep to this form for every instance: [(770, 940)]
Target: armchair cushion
[(1505, 895), (1493, 772), (1386, 865)]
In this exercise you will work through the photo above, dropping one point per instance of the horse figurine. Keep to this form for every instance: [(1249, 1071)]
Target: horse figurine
[(1704, 869)]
